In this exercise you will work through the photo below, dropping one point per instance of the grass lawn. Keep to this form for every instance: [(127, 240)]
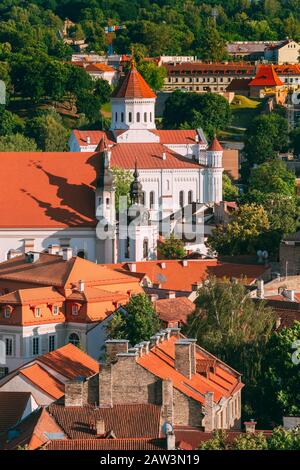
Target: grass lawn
[(244, 110), (106, 110)]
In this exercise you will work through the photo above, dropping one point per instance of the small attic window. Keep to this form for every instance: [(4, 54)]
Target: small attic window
[(7, 311), (55, 309), (37, 312)]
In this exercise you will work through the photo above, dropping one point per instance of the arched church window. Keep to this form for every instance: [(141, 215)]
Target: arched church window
[(152, 199), (116, 117), (130, 117), (81, 254), (74, 339), (181, 198), (190, 197), (145, 248), (150, 117), (145, 117), (143, 201), (138, 117), (107, 203), (122, 117)]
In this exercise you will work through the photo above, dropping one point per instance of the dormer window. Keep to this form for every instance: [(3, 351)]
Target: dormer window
[(7, 311), (75, 309), (37, 312)]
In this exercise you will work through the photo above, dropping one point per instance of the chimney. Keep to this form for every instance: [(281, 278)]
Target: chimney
[(53, 249), (132, 267), (209, 417), (81, 286), (167, 401), (88, 140), (13, 253), (289, 294), (163, 265), (105, 387), (185, 357), (100, 427), (164, 156), (171, 440), (185, 263), (28, 245), (250, 426), (171, 295), (76, 392), (114, 347), (32, 257), (153, 297), (154, 340), (67, 253), (260, 289)]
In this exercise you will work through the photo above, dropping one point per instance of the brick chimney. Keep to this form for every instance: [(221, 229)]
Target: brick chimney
[(13, 254), (53, 249), (28, 245), (209, 415), (250, 426), (114, 347), (76, 392), (185, 357), (105, 387), (167, 401), (171, 295), (81, 286)]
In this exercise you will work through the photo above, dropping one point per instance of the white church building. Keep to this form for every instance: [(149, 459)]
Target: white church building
[(53, 198)]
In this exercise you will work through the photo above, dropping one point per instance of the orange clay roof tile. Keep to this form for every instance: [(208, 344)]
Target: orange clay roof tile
[(133, 86)]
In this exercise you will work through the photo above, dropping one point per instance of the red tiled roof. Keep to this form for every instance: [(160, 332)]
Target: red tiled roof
[(215, 146), (126, 421), (177, 309), (176, 277), (178, 136), (32, 431), (12, 408), (160, 361), (95, 137), (106, 444), (133, 86), (149, 156), (287, 69), (70, 362), (44, 380), (266, 76), (28, 296), (99, 67)]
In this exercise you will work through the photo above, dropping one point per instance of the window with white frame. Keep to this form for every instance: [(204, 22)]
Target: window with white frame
[(74, 309), (35, 346), (55, 310), (7, 312), (37, 311)]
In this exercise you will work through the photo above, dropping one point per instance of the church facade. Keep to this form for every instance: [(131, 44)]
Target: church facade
[(52, 199)]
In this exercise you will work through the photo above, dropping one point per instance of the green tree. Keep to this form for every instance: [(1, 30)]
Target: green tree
[(249, 441), (153, 74), (295, 140), (282, 439), (17, 143), (243, 234), (10, 123), (48, 131), (122, 181), (191, 110), (137, 321), (217, 442), (212, 45), (230, 191), (273, 177), (267, 135), (172, 248), (281, 375)]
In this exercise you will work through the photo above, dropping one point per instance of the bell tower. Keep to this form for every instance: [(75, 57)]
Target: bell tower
[(133, 103), (105, 208)]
